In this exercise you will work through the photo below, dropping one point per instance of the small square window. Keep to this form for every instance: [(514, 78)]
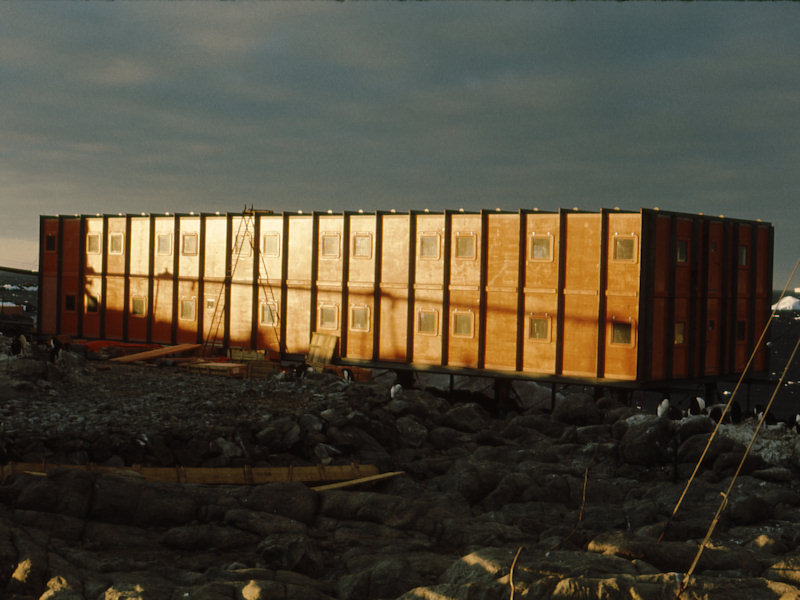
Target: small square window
[(427, 322), (741, 331), (211, 303), (742, 256), (330, 245), (682, 251), (359, 318), (429, 246), (243, 245), (625, 249), (465, 246), (539, 328), (269, 314), (93, 243), (680, 333), (69, 302), (116, 243), (91, 303), (187, 309), (362, 245), (189, 244), (621, 333), (164, 244), (541, 247), (271, 244), (328, 316), (463, 323), (138, 306), (50, 242)]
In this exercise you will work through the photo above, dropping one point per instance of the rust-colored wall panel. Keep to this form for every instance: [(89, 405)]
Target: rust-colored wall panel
[(394, 301), (216, 249), (189, 305), (241, 318), (463, 330), (213, 312), (712, 326), (137, 310), (502, 290), (539, 344), (188, 248), (580, 335), (360, 323), (48, 285), (393, 322), (92, 298), (162, 310), (115, 244), (663, 257), (657, 358), (428, 339), (140, 246), (115, 307)]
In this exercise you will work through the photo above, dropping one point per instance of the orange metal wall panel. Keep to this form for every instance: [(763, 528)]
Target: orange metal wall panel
[(463, 346), (188, 248), (115, 260), (502, 290), (428, 346), (393, 306), (137, 323), (715, 242), (464, 289), (330, 250), (115, 307), (683, 270), (657, 359), (298, 293), (359, 340), (49, 304), (162, 310), (271, 250), (188, 298), (93, 258), (140, 246), (163, 257), (241, 318), (242, 249), (216, 249), (91, 318), (581, 283), (362, 248), (268, 332), (213, 311)]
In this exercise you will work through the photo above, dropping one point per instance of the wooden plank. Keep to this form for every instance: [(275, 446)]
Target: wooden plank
[(322, 348), (166, 351), (351, 482), (245, 475)]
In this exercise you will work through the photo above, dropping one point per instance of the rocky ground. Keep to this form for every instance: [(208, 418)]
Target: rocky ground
[(518, 502)]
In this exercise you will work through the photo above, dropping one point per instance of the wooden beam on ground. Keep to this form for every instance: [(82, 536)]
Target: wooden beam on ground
[(245, 475), (351, 482), (166, 351)]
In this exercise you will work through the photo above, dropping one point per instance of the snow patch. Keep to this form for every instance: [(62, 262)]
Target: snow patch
[(787, 303)]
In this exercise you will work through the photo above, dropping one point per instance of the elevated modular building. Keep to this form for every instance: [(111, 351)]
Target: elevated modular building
[(612, 296)]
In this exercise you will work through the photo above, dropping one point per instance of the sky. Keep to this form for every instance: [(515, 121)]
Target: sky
[(129, 107)]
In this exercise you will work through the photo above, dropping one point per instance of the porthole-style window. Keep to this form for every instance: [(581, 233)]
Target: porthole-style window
[(539, 327), (362, 245), (465, 245), (92, 243), (359, 318), (621, 333), (116, 243), (429, 246), (541, 247), (330, 245), (271, 244), (189, 244), (428, 322), (328, 316), (463, 323), (164, 244), (625, 248)]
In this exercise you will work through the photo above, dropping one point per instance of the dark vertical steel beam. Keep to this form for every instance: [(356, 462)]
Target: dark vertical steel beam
[(412, 275), (343, 325), (103, 279), (176, 250), (752, 288), (669, 337), (602, 288), (376, 292), (126, 283), (256, 279), (40, 276), (284, 287), (521, 283), (201, 276), (733, 318), (150, 274), (702, 325), (482, 299), (60, 273), (81, 292), (448, 218), (314, 272), (725, 319), (562, 276), (694, 297), (647, 263), (229, 249)]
